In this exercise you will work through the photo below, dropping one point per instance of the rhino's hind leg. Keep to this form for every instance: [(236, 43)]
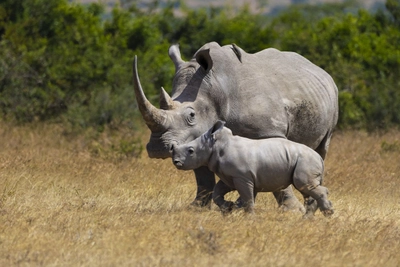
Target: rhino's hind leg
[(323, 147), (317, 197), (311, 207), (307, 178), (205, 185), (287, 201)]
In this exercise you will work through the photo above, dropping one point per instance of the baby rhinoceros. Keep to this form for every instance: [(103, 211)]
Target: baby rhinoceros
[(250, 166)]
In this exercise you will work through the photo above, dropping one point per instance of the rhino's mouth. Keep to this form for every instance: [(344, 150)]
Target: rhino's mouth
[(157, 148), (158, 151), (178, 164)]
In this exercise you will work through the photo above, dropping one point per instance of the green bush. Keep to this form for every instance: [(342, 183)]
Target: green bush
[(72, 63)]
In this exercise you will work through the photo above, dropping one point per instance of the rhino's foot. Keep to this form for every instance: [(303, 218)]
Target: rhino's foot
[(308, 216), (202, 202), (287, 201), (238, 204), (292, 204), (227, 207), (311, 206), (328, 213)]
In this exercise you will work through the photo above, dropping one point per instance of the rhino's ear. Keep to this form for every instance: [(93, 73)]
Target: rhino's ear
[(217, 127), (210, 134), (206, 137), (204, 59)]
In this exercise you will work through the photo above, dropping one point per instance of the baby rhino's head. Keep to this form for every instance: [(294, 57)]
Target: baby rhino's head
[(188, 156), (196, 153)]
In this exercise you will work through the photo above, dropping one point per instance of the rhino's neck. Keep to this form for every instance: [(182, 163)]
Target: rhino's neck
[(214, 164), (219, 155)]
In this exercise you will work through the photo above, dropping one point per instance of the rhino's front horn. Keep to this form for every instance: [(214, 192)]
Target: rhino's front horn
[(155, 118)]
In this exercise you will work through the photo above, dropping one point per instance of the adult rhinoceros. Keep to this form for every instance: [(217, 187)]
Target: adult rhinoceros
[(262, 95)]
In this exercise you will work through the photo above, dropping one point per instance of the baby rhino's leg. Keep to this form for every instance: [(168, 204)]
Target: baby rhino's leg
[(245, 187), (220, 190), (317, 197), (308, 181), (239, 203), (287, 200)]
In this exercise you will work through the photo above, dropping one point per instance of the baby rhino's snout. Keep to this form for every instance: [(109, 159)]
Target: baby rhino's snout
[(178, 163), (175, 157)]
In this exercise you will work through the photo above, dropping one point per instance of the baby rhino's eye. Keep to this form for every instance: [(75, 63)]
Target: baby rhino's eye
[(191, 150)]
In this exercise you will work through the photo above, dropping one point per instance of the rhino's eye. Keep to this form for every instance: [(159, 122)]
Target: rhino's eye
[(191, 150), (191, 116)]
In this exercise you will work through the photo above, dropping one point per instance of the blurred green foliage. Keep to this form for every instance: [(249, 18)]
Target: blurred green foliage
[(72, 63)]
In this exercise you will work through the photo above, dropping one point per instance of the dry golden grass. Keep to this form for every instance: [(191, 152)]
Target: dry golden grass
[(62, 206)]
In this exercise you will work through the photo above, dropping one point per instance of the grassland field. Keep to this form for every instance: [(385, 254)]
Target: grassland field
[(66, 202)]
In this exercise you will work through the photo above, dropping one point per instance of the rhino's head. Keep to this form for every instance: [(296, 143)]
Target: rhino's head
[(188, 113), (196, 153)]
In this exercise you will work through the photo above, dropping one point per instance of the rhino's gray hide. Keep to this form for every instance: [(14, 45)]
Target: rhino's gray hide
[(261, 95), (250, 166)]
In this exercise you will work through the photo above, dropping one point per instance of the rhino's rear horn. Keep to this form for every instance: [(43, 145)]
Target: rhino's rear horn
[(155, 118), (166, 101)]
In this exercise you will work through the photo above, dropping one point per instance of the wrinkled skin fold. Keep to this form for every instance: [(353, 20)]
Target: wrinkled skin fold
[(262, 95)]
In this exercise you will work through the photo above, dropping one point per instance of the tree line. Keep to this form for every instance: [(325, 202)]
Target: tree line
[(72, 63)]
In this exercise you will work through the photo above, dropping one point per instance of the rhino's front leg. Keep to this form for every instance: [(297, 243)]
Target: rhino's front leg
[(205, 185), (239, 202), (220, 190), (288, 201), (245, 187)]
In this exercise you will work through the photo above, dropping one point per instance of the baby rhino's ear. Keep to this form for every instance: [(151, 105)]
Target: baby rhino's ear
[(218, 126), (210, 134)]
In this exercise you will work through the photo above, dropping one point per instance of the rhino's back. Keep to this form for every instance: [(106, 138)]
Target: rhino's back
[(297, 97), (268, 163)]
